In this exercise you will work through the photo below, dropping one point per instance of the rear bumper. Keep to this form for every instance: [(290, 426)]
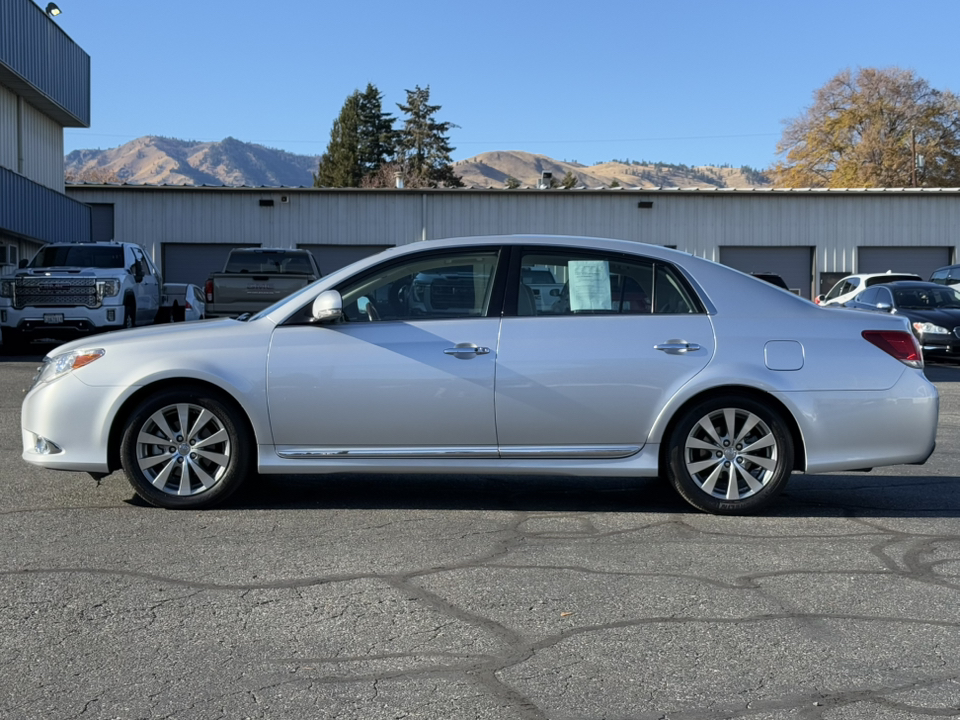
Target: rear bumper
[(851, 430)]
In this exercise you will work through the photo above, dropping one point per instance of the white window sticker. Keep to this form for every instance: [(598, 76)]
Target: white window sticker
[(589, 285)]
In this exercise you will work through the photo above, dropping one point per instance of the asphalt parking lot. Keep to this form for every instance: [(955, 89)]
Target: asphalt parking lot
[(480, 597)]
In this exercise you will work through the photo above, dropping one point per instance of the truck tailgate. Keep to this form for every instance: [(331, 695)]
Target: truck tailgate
[(240, 292)]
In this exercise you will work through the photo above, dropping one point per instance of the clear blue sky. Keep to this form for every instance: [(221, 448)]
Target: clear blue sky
[(690, 82)]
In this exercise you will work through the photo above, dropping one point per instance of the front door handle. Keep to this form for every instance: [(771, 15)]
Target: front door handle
[(465, 351), (676, 347)]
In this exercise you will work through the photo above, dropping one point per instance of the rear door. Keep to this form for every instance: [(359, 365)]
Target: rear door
[(588, 377)]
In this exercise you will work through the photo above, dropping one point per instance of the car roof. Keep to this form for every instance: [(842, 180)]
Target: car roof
[(912, 284), (867, 276)]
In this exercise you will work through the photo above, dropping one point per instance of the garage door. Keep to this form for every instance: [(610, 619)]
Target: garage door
[(920, 260), (193, 262), (793, 264), (334, 257)]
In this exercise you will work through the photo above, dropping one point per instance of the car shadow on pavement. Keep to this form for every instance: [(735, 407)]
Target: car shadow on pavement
[(847, 495)]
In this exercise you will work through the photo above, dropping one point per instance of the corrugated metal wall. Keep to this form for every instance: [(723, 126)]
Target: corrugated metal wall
[(40, 61), (835, 224), (33, 211), (8, 129), (42, 149)]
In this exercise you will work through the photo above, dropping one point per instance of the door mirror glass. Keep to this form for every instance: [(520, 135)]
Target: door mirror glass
[(327, 307)]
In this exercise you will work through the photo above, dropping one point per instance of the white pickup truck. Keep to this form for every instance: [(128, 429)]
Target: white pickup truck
[(73, 289), (255, 278)]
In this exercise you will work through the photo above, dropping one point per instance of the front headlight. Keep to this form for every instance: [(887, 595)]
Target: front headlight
[(59, 365), (108, 287), (930, 329), (6, 288)]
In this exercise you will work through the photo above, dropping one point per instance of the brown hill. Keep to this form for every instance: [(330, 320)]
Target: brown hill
[(494, 169), (158, 160)]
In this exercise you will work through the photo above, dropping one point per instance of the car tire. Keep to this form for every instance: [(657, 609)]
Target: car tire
[(129, 314), (730, 471), (186, 470)]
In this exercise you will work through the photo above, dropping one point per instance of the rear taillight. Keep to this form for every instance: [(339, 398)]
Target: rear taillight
[(901, 345), (208, 290)]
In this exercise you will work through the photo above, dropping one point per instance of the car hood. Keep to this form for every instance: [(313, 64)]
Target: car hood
[(945, 317), (71, 272), (170, 335)]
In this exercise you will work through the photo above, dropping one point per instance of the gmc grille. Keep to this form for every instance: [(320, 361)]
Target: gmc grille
[(56, 292)]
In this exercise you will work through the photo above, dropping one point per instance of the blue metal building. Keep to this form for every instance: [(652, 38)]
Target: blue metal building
[(44, 87)]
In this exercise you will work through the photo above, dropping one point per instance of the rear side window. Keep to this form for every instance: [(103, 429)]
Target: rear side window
[(274, 262), (597, 284)]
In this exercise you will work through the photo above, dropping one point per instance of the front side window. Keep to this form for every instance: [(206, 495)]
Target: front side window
[(432, 287), (560, 283)]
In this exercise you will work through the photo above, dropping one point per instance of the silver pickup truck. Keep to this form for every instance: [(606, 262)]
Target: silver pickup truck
[(254, 278)]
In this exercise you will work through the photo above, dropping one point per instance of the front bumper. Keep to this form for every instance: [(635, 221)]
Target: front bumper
[(74, 420), (68, 322)]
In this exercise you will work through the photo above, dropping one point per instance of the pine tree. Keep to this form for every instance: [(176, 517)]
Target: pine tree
[(377, 138), (423, 148), (340, 165), (569, 181)]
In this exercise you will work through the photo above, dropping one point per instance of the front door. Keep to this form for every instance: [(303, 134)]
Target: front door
[(409, 373)]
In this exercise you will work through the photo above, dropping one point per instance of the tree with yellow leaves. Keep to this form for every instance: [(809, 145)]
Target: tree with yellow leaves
[(873, 128)]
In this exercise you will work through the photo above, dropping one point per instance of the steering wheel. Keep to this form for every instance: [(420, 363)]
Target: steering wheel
[(398, 295), (372, 314)]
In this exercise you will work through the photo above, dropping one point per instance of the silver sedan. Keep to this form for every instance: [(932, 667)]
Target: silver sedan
[(437, 357)]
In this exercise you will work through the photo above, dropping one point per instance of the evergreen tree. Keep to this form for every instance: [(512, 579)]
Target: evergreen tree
[(423, 148), (512, 183), (569, 181), (377, 138), (340, 165)]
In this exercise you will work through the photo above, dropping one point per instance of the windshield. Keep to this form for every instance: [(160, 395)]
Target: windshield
[(926, 298), (98, 256)]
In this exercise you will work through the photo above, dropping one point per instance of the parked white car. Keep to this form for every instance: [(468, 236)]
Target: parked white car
[(657, 363), (847, 288), (184, 302)]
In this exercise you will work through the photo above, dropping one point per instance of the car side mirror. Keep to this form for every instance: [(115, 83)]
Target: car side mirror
[(885, 307), (328, 307), (22, 264)]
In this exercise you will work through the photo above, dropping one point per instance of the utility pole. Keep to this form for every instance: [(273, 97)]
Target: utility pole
[(913, 157)]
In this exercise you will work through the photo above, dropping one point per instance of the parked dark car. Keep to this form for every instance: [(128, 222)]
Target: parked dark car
[(932, 309)]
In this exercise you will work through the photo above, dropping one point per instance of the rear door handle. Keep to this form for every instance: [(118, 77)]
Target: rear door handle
[(676, 347)]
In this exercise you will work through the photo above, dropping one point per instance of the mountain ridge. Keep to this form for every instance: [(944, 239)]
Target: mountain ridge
[(158, 160)]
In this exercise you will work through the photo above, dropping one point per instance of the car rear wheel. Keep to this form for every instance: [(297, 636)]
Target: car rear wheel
[(186, 449), (730, 455)]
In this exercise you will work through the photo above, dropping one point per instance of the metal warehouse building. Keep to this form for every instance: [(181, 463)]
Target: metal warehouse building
[(44, 87), (809, 237)]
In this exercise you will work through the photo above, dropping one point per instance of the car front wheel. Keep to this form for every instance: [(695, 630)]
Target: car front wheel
[(730, 455), (185, 449)]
